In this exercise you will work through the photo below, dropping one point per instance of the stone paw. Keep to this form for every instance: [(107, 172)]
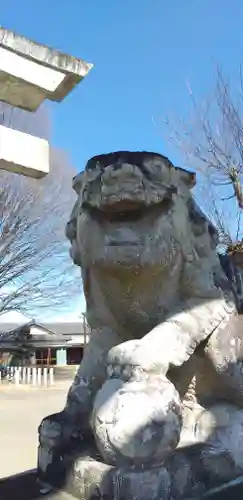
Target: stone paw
[(133, 360)]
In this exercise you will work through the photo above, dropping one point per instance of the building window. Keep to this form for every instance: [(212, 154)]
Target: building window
[(45, 357)]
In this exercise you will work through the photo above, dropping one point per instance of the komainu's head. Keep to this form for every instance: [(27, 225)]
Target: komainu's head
[(135, 209)]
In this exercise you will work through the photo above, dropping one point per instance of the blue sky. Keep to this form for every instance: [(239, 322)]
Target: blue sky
[(143, 53)]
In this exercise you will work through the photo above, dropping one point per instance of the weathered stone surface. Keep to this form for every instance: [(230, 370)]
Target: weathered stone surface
[(160, 371), (151, 483), (91, 479), (138, 422), (31, 72)]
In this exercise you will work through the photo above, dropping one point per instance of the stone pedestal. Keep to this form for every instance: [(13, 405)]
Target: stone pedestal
[(26, 487), (85, 476)]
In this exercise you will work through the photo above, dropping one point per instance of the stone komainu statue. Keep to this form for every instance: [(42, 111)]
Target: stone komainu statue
[(161, 374)]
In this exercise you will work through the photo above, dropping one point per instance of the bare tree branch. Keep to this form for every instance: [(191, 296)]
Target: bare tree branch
[(211, 141), (35, 269)]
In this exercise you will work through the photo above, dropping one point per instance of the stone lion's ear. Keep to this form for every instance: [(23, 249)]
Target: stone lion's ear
[(188, 178), (78, 182)]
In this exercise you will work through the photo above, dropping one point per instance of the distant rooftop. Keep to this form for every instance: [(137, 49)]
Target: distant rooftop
[(75, 328)]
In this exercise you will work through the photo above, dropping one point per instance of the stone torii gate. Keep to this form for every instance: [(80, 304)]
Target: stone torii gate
[(29, 74)]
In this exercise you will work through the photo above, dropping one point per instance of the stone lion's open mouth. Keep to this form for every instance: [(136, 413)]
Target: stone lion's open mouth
[(123, 211), (128, 211)]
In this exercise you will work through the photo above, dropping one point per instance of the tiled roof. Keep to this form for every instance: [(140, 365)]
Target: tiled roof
[(76, 328)]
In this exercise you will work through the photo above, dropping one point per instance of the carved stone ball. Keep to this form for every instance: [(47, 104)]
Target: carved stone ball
[(137, 422)]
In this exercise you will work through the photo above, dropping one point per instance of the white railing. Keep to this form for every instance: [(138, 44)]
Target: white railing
[(28, 375)]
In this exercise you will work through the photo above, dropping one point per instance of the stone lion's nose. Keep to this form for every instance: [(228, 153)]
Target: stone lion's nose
[(123, 173)]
